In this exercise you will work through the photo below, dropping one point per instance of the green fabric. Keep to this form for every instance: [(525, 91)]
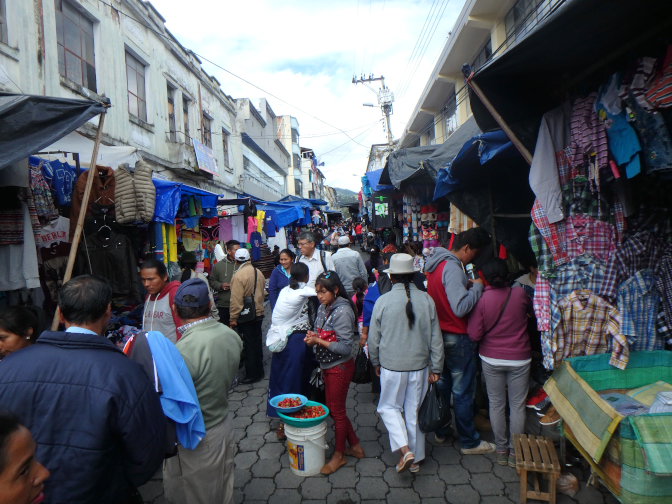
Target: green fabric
[(211, 352), (654, 434), (222, 272), (647, 394), (638, 482)]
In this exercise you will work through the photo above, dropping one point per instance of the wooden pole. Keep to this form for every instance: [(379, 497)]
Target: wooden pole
[(82, 211), (502, 124)]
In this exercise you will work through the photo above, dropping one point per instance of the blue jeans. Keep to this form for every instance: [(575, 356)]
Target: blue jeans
[(459, 377)]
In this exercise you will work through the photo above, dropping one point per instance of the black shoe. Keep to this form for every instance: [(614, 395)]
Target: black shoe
[(248, 381)]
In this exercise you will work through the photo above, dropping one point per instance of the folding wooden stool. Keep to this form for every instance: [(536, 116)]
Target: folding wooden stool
[(536, 454)]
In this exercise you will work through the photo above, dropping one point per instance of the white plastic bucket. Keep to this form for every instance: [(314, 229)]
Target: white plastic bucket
[(306, 448)]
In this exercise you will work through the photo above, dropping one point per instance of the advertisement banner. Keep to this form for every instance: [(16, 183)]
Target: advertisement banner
[(205, 158)]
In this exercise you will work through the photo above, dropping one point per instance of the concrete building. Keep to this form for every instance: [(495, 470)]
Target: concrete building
[(312, 178), (161, 97), (483, 30), (331, 197), (288, 133), (266, 162), (377, 157)]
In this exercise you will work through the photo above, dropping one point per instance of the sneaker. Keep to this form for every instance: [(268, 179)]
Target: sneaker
[(536, 398), (552, 417), (542, 411), (542, 404), (441, 439), (512, 459), (481, 449), (503, 458)]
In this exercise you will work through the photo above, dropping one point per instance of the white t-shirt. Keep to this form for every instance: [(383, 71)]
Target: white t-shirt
[(315, 265), (505, 362), (55, 232)]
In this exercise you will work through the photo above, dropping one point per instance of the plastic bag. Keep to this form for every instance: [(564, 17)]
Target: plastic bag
[(362, 369), (317, 393), (432, 411), (567, 484)]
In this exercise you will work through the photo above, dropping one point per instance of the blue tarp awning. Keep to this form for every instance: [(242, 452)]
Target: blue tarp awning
[(374, 178), (303, 202), (168, 193), (285, 214), (464, 168)]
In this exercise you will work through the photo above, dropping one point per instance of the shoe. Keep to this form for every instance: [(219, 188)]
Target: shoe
[(280, 432), (551, 417), (481, 449), (441, 439), (503, 458), (414, 468), (331, 466), (536, 398), (512, 459), (248, 381), (542, 404), (406, 462), (482, 424), (542, 411), (354, 451)]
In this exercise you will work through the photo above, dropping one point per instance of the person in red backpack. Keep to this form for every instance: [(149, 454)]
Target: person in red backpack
[(455, 295)]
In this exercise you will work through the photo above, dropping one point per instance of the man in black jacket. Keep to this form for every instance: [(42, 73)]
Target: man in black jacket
[(95, 416)]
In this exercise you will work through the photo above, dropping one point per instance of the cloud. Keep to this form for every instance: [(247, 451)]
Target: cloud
[(305, 52)]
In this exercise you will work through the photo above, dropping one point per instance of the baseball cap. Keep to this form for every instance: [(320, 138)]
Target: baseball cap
[(242, 255), (194, 287), (344, 240)]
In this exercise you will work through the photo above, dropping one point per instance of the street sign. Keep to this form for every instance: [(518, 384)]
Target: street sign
[(205, 158)]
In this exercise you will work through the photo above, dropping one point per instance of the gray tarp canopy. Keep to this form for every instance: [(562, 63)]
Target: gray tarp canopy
[(420, 165), (28, 123)]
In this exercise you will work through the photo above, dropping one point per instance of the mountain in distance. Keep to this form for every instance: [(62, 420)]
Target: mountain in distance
[(346, 195)]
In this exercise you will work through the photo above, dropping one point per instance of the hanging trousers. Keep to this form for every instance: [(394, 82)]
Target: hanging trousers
[(403, 391)]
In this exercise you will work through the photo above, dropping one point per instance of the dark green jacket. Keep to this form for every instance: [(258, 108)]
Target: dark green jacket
[(222, 273)]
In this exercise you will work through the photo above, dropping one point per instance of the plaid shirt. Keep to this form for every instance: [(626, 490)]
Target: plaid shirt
[(664, 285), (579, 199), (640, 252), (541, 252), (663, 328), (582, 272), (591, 236), (588, 325), (638, 304), (553, 234)]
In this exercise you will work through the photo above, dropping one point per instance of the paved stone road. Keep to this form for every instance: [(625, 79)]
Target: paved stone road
[(262, 472)]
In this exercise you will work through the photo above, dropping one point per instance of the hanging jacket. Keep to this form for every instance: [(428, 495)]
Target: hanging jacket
[(102, 192), (95, 416), (135, 194)]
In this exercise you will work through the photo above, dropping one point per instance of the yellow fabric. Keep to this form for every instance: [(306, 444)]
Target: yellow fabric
[(165, 246), (647, 394), (172, 243), (260, 220), (191, 240)]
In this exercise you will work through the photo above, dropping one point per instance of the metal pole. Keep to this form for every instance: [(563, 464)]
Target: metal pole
[(82, 212), (493, 221)]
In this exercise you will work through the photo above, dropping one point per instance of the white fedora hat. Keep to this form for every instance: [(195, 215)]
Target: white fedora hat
[(401, 264)]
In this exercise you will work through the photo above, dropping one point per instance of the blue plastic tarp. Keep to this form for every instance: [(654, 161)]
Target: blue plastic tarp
[(303, 202), (463, 170), (168, 195), (285, 214), (374, 177)]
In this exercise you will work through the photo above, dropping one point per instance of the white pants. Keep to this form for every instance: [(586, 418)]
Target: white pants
[(403, 391)]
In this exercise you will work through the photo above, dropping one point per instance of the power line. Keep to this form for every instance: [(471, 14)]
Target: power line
[(332, 150)]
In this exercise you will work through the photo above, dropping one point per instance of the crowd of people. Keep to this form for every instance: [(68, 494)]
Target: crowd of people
[(98, 422)]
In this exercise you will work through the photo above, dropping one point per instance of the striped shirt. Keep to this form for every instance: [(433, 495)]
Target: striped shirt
[(588, 136), (638, 304)]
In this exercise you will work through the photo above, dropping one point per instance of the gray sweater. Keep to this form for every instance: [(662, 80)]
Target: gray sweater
[(342, 321), (393, 345), (349, 265)]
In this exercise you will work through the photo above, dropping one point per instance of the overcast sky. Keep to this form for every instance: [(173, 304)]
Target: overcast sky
[(305, 52)]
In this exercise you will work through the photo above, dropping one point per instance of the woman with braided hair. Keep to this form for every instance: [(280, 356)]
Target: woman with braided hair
[(406, 349)]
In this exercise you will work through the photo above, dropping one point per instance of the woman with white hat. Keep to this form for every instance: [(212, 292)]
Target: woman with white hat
[(406, 348)]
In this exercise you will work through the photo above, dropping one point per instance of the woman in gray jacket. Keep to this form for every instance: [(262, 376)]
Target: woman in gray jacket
[(406, 348)]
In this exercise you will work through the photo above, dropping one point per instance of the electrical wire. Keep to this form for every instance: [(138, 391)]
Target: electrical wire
[(17, 86)]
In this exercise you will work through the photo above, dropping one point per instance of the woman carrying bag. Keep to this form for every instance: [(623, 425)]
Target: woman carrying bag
[(406, 348), (498, 323), (333, 339)]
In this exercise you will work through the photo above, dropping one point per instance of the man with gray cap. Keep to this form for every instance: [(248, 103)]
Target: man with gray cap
[(211, 352), (247, 313), (348, 264)]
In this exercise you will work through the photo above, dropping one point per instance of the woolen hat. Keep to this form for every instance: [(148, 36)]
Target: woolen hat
[(194, 287), (187, 258), (242, 255), (401, 264), (344, 240)]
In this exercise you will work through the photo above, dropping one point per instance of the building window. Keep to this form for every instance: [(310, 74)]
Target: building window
[(207, 132), (171, 115), (525, 15), (225, 147), (74, 34), (135, 84), (3, 22), (295, 136), (297, 161), (483, 56), (185, 116), (298, 187)]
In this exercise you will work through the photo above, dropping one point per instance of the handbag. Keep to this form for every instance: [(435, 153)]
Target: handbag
[(249, 311), (324, 355), (362, 372)]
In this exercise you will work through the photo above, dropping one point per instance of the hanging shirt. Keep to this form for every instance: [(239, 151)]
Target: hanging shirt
[(55, 232), (251, 228), (588, 136), (271, 223), (225, 230), (659, 93), (586, 235), (638, 304), (588, 325), (255, 241), (237, 227), (260, 220)]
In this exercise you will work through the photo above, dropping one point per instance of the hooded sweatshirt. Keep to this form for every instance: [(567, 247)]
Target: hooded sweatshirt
[(447, 285), (159, 314)]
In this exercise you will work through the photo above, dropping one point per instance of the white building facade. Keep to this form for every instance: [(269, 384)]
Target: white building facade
[(121, 50)]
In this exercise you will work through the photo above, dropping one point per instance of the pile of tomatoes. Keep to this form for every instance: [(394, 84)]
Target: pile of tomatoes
[(290, 403), (309, 412)]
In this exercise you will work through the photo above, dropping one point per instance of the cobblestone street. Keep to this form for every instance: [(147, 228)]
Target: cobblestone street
[(262, 472)]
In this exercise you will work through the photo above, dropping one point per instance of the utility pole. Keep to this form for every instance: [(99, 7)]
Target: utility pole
[(385, 100)]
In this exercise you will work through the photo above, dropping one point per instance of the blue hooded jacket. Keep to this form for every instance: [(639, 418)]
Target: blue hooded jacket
[(93, 413), (278, 281)]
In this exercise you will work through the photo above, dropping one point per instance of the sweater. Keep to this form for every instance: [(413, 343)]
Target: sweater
[(395, 346), (447, 284), (349, 265), (509, 339), (342, 321), (276, 283), (211, 352), (222, 272)]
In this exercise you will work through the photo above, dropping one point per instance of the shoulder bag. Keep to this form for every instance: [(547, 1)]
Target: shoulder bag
[(249, 311)]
